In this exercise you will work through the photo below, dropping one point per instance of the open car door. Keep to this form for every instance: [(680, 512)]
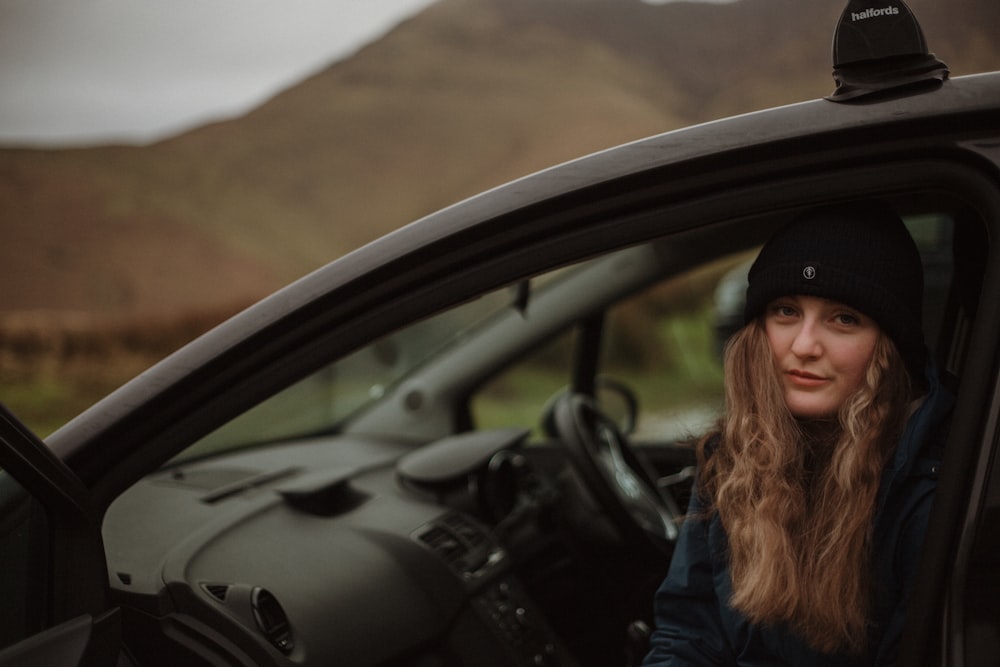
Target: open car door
[(53, 573)]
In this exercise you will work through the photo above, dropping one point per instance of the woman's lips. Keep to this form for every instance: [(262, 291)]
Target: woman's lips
[(804, 378)]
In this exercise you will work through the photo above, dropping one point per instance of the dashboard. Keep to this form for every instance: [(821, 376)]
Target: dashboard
[(334, 550)]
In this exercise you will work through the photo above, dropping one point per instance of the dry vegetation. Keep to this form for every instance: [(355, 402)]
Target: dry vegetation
[(54, 365), (118, 245)]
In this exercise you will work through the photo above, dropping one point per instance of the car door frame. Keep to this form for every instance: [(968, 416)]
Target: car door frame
[(77, 624)]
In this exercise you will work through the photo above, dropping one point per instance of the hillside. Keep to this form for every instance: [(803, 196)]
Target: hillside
[(467, 95), (130, 251)]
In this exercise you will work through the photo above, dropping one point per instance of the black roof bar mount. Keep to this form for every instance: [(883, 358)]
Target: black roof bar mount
[(879, 49)]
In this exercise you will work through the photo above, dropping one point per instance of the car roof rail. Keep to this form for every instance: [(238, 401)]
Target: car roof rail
[(879, 50)]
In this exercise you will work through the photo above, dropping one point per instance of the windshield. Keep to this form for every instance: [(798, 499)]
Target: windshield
[(321, 401)]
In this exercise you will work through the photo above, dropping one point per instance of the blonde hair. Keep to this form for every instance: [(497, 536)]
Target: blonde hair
[(797, 498)]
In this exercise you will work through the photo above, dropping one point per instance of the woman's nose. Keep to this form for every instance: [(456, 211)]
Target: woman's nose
[(806, 342)]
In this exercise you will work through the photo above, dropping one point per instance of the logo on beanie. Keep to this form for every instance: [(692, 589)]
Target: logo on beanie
[(809, 272)]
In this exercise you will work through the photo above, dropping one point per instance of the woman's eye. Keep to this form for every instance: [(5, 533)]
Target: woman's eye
[(846, 319)]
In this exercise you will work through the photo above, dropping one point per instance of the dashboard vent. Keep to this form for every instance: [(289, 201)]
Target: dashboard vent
[(271, 620), (258, 607), (217, 591)]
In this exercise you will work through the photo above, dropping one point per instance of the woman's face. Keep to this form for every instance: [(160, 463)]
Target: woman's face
[(821, 349)]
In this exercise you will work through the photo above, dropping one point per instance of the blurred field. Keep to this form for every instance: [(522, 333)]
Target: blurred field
[(53, 366)]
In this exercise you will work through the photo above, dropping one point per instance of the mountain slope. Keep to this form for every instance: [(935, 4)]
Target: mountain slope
[(464, 96)]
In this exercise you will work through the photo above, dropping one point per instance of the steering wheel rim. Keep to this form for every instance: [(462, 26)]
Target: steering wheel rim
[(610, 469)]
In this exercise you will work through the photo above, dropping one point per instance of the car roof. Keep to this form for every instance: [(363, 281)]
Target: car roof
[(957, 100)]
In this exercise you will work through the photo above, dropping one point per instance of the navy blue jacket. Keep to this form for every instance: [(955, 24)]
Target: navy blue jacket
[(696, 626)]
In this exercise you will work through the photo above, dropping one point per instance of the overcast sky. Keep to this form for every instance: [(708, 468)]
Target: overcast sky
[(92, 71), (77, 72)]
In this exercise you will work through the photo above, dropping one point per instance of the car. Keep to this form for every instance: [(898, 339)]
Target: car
[(469, 442)]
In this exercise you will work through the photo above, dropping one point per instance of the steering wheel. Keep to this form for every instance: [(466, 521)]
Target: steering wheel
[(612, 472)]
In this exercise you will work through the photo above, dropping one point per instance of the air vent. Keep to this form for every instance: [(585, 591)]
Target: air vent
[(257, 607), (271, 620), (217, 591)]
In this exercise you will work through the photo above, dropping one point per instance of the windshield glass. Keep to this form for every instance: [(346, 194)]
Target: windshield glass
[(321, 401)]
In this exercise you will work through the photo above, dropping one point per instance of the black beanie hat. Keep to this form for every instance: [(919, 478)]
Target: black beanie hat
[(859, 254)]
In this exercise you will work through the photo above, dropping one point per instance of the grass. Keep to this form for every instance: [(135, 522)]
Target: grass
[(45, 404)]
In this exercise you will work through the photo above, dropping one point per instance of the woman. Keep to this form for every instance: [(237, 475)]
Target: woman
[(812, 497)]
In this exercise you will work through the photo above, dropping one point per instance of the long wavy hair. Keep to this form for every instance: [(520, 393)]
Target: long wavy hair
[(796, 498)]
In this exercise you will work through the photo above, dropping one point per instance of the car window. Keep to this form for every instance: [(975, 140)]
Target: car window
[(517, 396), (934, 234), (321, 401), (665, 344)]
